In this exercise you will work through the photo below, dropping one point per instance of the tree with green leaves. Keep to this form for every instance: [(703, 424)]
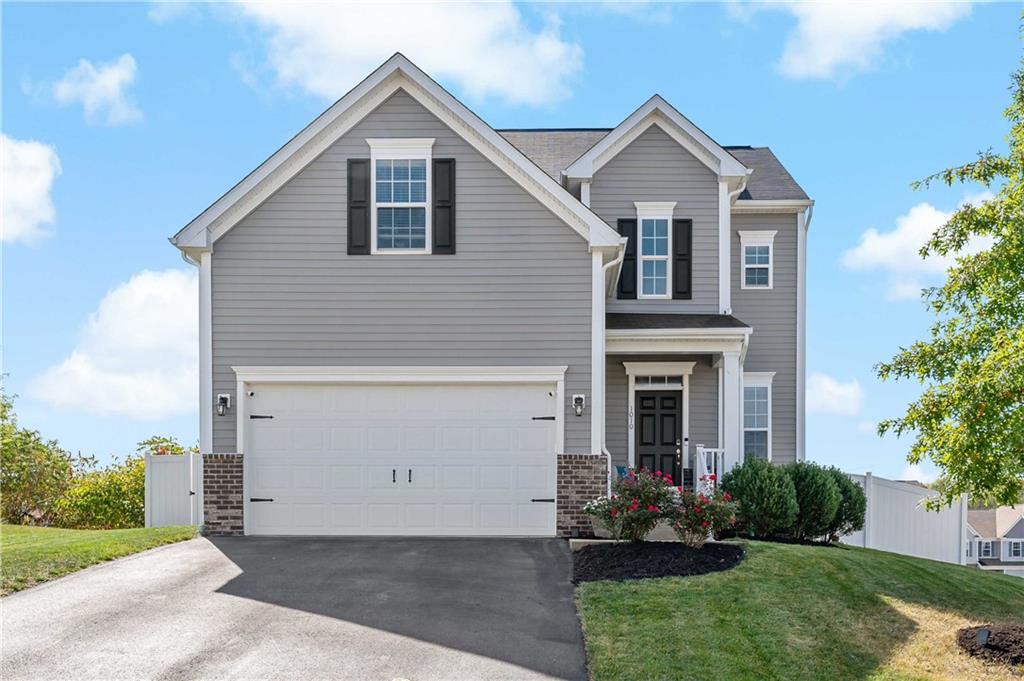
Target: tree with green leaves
[(969, 419), (158, 445)]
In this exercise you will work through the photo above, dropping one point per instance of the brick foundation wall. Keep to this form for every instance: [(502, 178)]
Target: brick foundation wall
[(581, 477), (222, 494)]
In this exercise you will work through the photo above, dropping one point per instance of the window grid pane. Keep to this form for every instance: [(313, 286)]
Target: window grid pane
[(755, 444), (756, 276)]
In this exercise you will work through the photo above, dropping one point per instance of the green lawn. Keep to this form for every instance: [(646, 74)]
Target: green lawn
[(29, 555), (797, 612)]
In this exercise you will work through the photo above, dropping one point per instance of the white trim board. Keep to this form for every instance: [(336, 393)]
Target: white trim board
[(396, 73)]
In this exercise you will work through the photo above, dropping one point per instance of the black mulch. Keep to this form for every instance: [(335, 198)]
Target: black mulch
[(1005, 643), (641, 560)]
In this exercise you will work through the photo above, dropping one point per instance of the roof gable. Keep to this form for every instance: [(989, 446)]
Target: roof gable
[(397, 73), (656, 111)]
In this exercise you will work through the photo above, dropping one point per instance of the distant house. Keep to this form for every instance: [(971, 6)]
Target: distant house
[(997, 539)]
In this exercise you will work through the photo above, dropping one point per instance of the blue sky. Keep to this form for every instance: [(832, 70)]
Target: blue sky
[(123, 121)]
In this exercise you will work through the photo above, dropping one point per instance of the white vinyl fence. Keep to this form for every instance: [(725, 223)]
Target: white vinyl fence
[(173, 490), (897, 521)]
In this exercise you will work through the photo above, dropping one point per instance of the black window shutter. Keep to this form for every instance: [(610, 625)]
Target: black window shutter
[(627, 280), (443, 225), (682, 266), (359, 206)]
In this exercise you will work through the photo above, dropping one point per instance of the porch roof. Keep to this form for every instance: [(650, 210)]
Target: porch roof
[(649, 320)]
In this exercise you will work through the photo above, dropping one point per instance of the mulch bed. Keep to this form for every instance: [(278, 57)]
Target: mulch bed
[(1005, 643), (642, 560)]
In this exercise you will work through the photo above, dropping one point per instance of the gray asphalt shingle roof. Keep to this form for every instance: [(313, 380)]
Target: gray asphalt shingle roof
[(653, 320), (555, 150)]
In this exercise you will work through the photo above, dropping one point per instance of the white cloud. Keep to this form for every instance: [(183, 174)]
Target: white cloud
[(101, 90), (485, 49), (137, 355), (28, 169), (162, 11), (897, 252), (828, 395), (869, 427), (836, 38), (914, 471)]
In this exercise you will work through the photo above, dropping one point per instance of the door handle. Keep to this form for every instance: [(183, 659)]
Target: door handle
[(410, 475), (393, 479)]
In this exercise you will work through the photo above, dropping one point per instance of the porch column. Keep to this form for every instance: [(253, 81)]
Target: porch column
[(732, 395)]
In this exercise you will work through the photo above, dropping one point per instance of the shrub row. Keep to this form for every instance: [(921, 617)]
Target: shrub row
[(800, 500), (641, 499)]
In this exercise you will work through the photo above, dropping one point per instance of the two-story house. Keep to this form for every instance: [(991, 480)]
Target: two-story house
[(412, 323)]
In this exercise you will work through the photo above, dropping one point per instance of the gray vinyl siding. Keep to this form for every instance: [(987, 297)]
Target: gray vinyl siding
[(772, 314), (654, 167), (703, 402), (285, 292)]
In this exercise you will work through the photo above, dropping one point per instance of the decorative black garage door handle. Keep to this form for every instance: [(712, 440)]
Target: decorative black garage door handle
[(260, 416), (542, 418), (546, 501), (259, 499)]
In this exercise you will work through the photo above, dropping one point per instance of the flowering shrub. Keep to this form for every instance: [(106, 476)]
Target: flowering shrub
[(638, 501), (695, 516)]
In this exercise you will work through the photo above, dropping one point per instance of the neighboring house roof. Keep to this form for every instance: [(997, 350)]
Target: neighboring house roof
[(983, 520), (397, 73), (770, 181), (555, 149), (640, 320)]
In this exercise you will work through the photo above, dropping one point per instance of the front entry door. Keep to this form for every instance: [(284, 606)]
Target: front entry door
[(659, 433)]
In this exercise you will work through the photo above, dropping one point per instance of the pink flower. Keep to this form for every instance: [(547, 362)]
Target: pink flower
[(704, 524), (727, 496), (697, 509), (630, 473), (712, 477), (615, 512), (652, 507), (657, 474)]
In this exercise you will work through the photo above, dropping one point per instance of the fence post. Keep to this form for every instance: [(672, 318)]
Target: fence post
[(148, 494), (869, 516)]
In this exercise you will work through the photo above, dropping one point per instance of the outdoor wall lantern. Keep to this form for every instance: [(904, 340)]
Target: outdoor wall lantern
[(223, 403), (578, 402)]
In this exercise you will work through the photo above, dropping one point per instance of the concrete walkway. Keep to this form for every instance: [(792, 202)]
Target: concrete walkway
[(264, 608)]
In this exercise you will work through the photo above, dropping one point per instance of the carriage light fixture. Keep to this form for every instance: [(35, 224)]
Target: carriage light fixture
[(578, 401), (223, 403)]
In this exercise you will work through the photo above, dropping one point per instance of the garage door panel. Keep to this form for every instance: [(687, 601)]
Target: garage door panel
[(337, 460)]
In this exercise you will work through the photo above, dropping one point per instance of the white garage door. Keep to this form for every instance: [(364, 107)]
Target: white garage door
[(400, 459)]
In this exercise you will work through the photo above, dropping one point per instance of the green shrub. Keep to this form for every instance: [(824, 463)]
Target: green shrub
[(765, 497), (817, 497), (853, 505), (34, 472), (638, 501), (113, 498)]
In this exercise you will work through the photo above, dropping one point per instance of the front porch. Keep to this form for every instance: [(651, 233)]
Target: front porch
[(674, 392)]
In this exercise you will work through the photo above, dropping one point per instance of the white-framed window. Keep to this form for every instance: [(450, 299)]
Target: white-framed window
[(985, 549), (1017, 548), (757, 415), (654, 237), (400, 192), (757, 259)]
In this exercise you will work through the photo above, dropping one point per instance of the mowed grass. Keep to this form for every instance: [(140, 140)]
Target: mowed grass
[(30, 555), (798, 612)]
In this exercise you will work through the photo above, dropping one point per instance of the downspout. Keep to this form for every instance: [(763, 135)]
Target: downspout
[(617, 263)]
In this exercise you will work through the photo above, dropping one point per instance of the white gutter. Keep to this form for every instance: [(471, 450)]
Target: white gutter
[(614, 262)]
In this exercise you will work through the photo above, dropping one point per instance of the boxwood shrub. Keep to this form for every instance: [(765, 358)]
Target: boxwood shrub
[(765, 497), (852, 506), (817, 498)]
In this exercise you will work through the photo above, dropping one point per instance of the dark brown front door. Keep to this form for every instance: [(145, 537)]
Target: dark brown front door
[(659, 432)]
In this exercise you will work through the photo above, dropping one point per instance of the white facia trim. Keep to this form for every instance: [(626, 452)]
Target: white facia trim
[(654, 209), (418, 149), (206, 352), (754, 238), (767, 206), (656, 111), (395, 74)]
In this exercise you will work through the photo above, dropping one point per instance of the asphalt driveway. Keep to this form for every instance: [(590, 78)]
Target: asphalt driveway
[(255, 608)]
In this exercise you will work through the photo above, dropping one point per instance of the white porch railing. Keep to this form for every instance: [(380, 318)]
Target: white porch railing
[(708, 466)]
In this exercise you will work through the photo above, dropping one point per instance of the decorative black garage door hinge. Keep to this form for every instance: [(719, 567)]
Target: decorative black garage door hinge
[(259, 499), (542, 418), (260, 416), (546, 501)]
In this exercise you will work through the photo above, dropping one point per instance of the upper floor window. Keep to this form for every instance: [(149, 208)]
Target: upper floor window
[(757, 415), (757, 253), (655, 265), (400, 218)]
